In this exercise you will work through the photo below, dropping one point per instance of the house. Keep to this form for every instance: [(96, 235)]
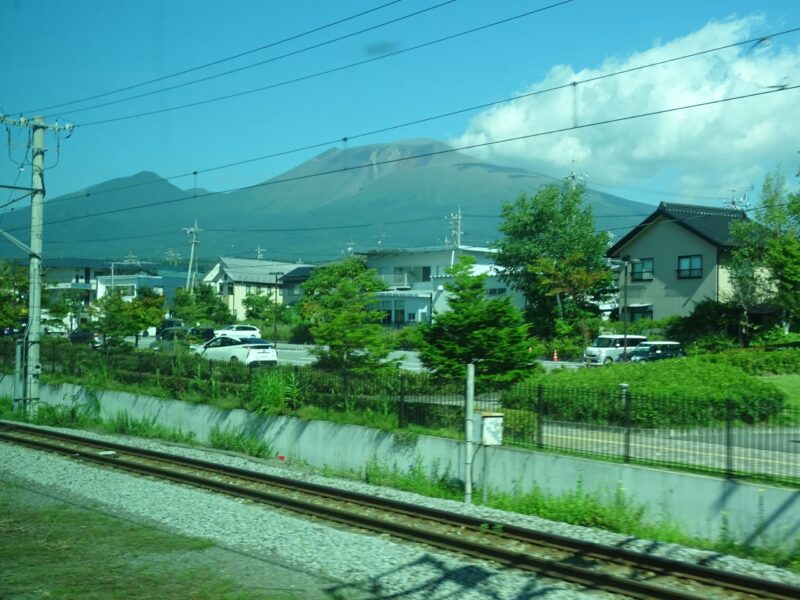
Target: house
[(235, 278), (415, 278), (675, 258)]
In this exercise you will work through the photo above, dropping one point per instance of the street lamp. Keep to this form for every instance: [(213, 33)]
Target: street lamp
[(625, 262), (275, 314)]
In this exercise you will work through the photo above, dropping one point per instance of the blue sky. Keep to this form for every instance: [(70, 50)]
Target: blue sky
[(56, 52)]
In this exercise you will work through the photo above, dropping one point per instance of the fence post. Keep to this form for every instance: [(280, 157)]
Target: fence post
[(729, 439), (626, 407), (539, 416), (402, 418)]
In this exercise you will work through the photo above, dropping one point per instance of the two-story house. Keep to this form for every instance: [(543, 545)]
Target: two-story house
[(415, 278), (235, 278), (676, 257)]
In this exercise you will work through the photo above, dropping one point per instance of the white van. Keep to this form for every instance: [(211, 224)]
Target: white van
[(606, 348)]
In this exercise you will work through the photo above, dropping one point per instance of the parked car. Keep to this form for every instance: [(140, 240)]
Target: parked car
[(605, 349), (168, 324), (238, 331), (86, 336), (251, 351), (650, 351), (171, 338)]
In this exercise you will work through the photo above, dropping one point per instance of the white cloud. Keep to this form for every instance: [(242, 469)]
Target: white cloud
[(704, 150)]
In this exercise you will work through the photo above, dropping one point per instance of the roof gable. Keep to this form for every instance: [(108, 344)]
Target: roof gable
[(706, 222)]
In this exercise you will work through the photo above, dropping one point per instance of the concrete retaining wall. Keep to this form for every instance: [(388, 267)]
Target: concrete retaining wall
[(703, 506)]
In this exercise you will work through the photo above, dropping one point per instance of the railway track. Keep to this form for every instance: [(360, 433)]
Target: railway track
[(595, 566)]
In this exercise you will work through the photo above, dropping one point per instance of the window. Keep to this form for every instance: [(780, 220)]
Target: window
[(642, 270), (426, 273), (497, 291), (690, 267)]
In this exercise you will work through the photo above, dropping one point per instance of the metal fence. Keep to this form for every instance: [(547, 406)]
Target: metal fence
[(757, 440)]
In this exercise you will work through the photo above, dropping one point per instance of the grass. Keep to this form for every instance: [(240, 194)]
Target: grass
[(789, 385), (53, 549), (578, 507)]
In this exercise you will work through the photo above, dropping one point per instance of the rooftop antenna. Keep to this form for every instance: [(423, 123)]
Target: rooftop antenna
[(172, 256), (741, 203), (259, 252), (574, 177), (349, 247), (455, 229)]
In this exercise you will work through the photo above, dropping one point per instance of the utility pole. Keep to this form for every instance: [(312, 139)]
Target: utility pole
[(33, 330), (192, 231)]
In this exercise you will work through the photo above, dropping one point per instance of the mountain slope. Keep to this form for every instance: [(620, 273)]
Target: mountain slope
[(397, 194)]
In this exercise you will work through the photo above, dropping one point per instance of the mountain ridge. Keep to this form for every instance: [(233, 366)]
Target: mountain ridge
[(364, 196)]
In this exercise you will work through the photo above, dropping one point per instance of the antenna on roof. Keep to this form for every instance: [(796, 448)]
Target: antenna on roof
[(455, 229), (574, 177), (741, 203)]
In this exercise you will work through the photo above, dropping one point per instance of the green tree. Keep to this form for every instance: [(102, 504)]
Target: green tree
[(67, 304), (339, 302), (490, 333), (13, 293), (766, 267), (115, 319), (551, 253), (146, 310), (201, 306)]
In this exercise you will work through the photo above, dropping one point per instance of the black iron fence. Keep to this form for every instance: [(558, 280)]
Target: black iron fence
[(733, 437)]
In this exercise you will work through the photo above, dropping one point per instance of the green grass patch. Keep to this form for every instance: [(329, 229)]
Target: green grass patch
[(789, 385), (51, 549), (239, 441), (617, 513)]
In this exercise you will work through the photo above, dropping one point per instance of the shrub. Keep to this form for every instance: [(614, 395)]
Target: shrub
[(673, 393)]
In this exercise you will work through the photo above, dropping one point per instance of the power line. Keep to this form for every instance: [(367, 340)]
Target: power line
[(453, 113), (263, 62), (215, 62), (327, 71), (438, 152)]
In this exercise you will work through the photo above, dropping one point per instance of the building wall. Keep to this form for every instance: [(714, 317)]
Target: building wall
[(664, 242)]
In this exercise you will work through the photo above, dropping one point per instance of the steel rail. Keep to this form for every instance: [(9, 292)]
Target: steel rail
[(731, 582)]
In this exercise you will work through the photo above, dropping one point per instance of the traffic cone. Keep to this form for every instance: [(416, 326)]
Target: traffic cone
[(555, 355)]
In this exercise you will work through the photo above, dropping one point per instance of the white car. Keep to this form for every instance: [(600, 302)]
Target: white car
[(238, 331), (251, 351)]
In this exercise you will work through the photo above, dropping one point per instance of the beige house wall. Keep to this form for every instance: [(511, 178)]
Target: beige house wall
[(664, 241)]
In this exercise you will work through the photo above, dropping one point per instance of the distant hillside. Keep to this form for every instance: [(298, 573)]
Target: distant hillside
[(389, 195)]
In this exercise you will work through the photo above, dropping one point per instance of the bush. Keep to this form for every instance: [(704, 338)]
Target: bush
[(671, 393), (759, 362)]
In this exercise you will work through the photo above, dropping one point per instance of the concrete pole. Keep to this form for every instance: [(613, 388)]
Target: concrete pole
[(33, 367), (470, 442)]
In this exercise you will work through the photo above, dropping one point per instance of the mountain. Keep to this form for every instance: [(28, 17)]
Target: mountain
[(389, 195)]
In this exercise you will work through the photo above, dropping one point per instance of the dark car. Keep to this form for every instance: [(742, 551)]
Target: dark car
[(650, 351), (169, 324), (86, 336)]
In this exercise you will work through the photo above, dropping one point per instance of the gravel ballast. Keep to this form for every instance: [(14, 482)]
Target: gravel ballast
[(316, 559)]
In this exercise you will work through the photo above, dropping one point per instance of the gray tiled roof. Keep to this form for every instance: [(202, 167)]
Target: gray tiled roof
[(256, 271), (708, 222)]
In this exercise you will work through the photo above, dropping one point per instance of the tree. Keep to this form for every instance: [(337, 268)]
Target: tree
[(13, 294), (115, 318), (339, 301), (766, 267), (551, 253), (490, 333), (146, 310), (201, 306)]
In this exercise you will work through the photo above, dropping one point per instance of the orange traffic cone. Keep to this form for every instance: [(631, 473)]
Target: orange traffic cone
[(555, 355)]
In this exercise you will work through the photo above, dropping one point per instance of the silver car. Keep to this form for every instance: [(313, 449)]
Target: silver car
[(251, 351)]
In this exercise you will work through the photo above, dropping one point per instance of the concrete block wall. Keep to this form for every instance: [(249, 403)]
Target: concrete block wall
[(702, 506)]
